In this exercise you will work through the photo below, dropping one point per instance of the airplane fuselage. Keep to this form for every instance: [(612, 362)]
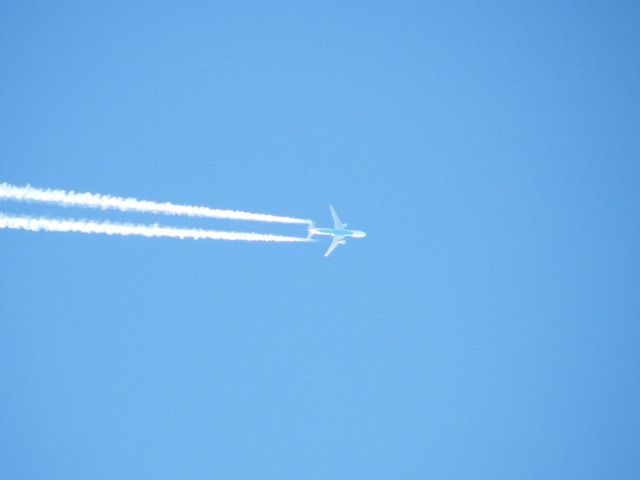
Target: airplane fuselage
[(334, 232)]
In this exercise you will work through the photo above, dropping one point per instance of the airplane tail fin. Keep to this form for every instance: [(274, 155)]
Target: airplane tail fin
[(310, 230)]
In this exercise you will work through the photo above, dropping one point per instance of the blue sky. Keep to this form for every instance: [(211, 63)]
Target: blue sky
[(487, 327)]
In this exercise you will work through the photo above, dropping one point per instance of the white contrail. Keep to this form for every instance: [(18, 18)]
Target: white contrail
[(107, 202), (36, 224)]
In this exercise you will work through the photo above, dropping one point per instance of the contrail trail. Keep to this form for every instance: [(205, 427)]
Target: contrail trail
[(36, 224), (108, 202)]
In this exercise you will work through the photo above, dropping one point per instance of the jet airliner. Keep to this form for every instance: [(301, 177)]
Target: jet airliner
[(339, 232)]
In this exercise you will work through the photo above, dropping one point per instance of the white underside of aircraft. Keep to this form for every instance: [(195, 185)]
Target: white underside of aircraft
[(339, 232)]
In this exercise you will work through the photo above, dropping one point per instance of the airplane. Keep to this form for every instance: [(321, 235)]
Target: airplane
[(339, 232)]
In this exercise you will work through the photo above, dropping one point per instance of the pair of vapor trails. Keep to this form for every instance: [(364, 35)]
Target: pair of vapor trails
[(107, 202)]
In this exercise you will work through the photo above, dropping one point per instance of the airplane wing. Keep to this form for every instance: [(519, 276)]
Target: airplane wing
[(337, 224), (334, 243)]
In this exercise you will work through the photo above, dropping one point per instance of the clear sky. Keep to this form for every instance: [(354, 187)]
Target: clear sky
[(487, 327)]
